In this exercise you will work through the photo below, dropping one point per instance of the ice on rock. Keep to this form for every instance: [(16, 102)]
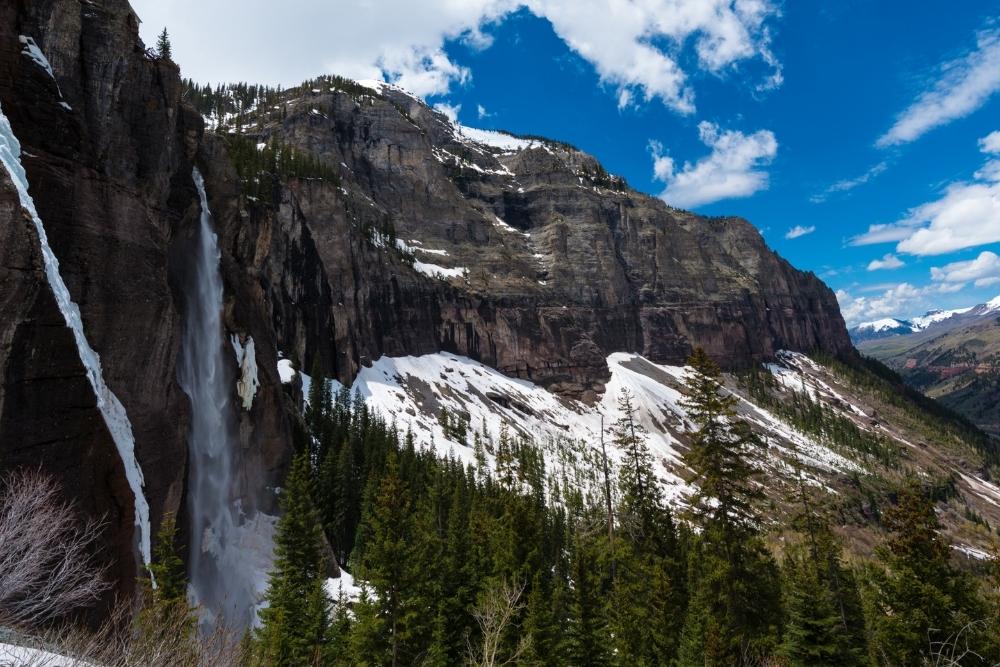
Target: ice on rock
[(111, 409)]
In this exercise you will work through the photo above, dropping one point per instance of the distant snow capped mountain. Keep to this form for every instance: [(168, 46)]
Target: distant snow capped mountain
[(883, 328), (935, 316), (939, 319)]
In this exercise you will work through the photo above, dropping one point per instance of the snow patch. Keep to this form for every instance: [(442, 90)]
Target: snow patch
[(345, 585), (885, 324), (32, 51), (286, 371), (246, 358), (108, 404), (440, 272), (971, 552), (493, 138), (12, 655)]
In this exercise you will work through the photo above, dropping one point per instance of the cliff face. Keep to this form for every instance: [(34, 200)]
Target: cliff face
[(108, 150), (522, 254), (528, 256)]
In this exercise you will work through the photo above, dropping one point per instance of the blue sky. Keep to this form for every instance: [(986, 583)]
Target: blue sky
[(826, 120)]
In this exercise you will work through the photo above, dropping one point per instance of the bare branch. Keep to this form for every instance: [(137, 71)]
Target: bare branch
[(47, 569), (497, 608)]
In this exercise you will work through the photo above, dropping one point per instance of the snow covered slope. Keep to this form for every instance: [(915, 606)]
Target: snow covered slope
[(414, 391), (888, 441)]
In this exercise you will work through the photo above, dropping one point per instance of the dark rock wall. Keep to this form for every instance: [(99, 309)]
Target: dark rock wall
[(111, 179), (587, 269)]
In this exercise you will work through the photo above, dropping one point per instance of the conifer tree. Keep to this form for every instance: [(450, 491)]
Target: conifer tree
[(918, 601), (647, 589), (824, 618), (167, 567), (386, 560), (721, 449), (735, 606), (294, 622), (163, 49), (167, 608)]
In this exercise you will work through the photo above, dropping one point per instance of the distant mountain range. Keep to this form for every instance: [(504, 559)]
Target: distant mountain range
[(952, 356), (936, 320)]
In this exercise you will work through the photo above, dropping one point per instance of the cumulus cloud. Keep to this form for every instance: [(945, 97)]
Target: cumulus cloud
[(982, 271), (961, 87), (449, 110), (990, 143), (902, 300), (634, 45), (848, 184), (888, 261), (481, 112), (798, 230), (966, 215), (732, 169)]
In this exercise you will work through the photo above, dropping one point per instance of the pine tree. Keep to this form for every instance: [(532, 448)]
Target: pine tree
[(642, 510), (918, 602), (294, 622), (721, 449), (163, 49), (167, 608), (735, 605), (167, 567), (386, 560), (336, 644), (824, 617)]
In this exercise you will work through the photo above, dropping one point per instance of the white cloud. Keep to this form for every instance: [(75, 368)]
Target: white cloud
[(889, 261), (963, 86), (990, 143), (732, 169), (903, 300), (966, 215), (449, 110), (634, 45), (849, 184), (481, 112), (798, 230), (983, 270)]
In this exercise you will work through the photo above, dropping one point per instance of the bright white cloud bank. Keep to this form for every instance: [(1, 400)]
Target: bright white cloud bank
[(732, 169), (982, 271), (902, 300), (962, 86), (634, 45), (965, 216)]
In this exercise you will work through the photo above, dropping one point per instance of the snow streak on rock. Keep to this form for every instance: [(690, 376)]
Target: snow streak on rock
[(110, 407)]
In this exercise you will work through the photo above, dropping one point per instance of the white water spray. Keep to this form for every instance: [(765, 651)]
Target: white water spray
[(223, 583)]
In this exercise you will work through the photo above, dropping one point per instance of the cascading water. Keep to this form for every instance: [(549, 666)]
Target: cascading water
[(222, 584)]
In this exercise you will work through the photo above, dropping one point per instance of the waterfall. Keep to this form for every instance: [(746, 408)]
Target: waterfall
[(222, 581)]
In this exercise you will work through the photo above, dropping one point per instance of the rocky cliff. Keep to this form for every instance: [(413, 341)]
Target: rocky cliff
[(521, 253), (108, 149)]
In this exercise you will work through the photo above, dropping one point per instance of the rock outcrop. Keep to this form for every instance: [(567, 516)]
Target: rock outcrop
[(523, 254), (108, 149)]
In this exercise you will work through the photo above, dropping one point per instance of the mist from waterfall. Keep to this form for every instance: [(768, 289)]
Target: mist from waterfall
[(219, 585)]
